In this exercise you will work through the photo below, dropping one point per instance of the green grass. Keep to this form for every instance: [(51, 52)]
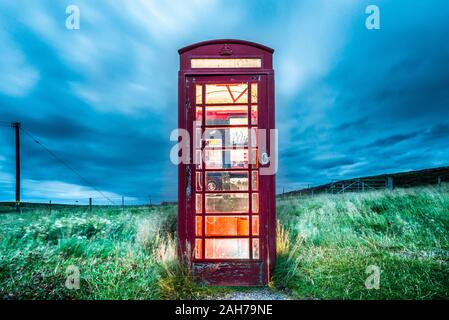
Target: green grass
[(325, 244), (130, 255)]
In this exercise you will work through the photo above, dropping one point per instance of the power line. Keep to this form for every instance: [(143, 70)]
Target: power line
[(67, 165)]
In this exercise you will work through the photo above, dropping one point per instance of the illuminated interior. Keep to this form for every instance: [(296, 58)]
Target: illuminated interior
[(230, 248), (227, 222), (227, 226), (227, 180)]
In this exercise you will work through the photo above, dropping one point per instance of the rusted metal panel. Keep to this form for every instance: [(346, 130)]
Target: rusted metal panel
[(229, 273)]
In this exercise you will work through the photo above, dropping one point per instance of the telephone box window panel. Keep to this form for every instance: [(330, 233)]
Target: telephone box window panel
[(227, 115), (227, 93), (227, 226), (226, 159), (227, 180), (231, 115), (227, 248), (226, 137), (226, 205), (226, 63)]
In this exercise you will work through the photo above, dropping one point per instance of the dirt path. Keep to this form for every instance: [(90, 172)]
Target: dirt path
[(253, 294)]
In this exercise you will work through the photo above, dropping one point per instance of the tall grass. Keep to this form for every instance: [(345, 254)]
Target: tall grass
[(332, 239), (119, 255)]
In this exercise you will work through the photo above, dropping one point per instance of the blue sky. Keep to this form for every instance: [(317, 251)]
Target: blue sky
[(349, 101)]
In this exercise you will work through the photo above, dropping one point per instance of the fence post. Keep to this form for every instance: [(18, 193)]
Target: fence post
[(16, 126), (90, 204), (50, 206), (390, 185)]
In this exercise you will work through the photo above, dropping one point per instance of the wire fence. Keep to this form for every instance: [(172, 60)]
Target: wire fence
[(427, 177)]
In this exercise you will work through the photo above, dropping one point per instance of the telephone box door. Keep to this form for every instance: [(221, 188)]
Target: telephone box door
[(228, 218)]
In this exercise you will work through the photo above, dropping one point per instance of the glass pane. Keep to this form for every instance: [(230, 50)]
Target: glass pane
[(227, 93), (198, 248), (227, 181), (229, 115), (198, 226), (256, 249), (198, 203), (227, 203), (199, 94), (199, 181), (226, 137), (254, 114), (227, 248), (255, 226), (254, 158), (253, 136), (254, 92), (198, 137), (198, 161), (227, 226), (254, 180), (255, 202), (225, 159)]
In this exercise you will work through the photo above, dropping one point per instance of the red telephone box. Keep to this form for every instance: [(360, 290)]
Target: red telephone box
[(226, 217)]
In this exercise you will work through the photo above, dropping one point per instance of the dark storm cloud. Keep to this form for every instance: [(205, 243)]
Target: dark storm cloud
[(331, 163), (392, 140), (439, 131)]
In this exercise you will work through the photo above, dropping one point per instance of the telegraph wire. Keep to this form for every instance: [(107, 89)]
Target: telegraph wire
[(66, 165)]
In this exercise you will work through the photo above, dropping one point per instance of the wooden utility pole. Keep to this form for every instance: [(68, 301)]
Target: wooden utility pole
[(90, 204), (16, 126)]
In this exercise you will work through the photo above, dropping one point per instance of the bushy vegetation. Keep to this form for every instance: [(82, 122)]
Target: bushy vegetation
[(325, 244)]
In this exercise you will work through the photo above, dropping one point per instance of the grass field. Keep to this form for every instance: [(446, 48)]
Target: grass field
[(325, 244)]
